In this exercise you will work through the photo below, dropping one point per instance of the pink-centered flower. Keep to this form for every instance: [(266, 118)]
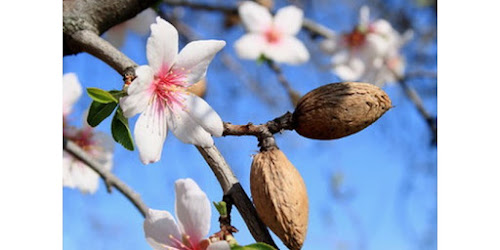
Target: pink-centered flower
[(160, 94), (273, 37), (100, 146), (370, 52), (138, 24), (192, 209)]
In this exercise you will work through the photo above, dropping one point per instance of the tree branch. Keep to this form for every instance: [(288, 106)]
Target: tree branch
[(110, 179), (84, 38)]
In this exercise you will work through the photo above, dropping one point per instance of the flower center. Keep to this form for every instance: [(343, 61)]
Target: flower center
[(171, 87), (82, 138), (185, 243), (272, 35), (356, 38)]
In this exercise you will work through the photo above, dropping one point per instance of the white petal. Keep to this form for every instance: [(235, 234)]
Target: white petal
[(376, 45), (255, 17), (139, 92), (250, 46), (158, 226), (72, 90), (204, 115), (364, 16), (329, 45), (289, 20), (382, 27), (192, 209), (219, 245), (350, 69), (195, 58), (150, 132), (78, 175), (162, 46), (188, 130), (140, 23), (104, 147), (116, 35), (289, 50)]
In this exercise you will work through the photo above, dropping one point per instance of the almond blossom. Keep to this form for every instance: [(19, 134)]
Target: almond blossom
[(76, 174), (160, 93), (138, 24), (192, 210), (370, 52), (272, 37), (99, 146)]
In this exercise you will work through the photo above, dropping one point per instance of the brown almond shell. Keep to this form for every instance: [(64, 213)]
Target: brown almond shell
[(280, 197), (336, 110)]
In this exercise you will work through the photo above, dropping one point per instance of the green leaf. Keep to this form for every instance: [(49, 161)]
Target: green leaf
[(221, 207), (121, 131), (101, 96), (99, 111), (262, 59), (117, 93), (254, 246)]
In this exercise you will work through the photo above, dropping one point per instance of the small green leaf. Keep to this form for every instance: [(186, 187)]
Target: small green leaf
[(101, 96), (254, 246), (221, 207), (117, 93), (121, 131), (98, 112), (262, 59)]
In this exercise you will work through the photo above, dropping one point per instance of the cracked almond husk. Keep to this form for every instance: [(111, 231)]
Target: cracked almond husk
[(280, 196), (336, 110)]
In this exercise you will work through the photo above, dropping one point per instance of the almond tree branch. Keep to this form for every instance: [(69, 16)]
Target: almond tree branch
[(95, 45), (110, 179)]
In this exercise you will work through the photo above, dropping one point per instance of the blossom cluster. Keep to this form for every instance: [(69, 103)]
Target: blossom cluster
[(370, 52)]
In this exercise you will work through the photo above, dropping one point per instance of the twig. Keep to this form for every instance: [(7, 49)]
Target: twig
[(110, 179), (294, 95)]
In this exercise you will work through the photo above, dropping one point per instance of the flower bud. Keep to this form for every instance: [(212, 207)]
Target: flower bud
[(199, 88), (280, 196), (336, 110)]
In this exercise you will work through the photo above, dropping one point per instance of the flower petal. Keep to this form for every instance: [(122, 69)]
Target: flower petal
[(219, 245), (72, 90), (255, 17), (289, 50), (193, 60), (139, 92), (140, 23), (347, 67), (364, 16), (250, 46), (204, 115), (289, 20), (192, 209), (158, 227), (376, 46), (150, 132), (78, 175), (162, 46), (188, 130)]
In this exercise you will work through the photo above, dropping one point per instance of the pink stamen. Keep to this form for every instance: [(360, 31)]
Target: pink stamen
[(272, 35), (170, 87)]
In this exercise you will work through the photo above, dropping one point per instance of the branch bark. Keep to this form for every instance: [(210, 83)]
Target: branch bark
[(110, 179)]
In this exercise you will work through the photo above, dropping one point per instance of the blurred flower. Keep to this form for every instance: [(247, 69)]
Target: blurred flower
[(72, 90), (272, 37), (100, 146), (160, 93), (77, 174), (139, 24), (192, 209), (370, 52)]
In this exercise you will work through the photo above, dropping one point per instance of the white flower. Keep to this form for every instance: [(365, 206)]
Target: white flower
[(366, 52), (100, 146), (192, 209), (272, 37), (72, 90), (139, 24), (159, 93)]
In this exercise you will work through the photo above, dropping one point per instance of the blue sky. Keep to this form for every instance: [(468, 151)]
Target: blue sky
[(389, 168)]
